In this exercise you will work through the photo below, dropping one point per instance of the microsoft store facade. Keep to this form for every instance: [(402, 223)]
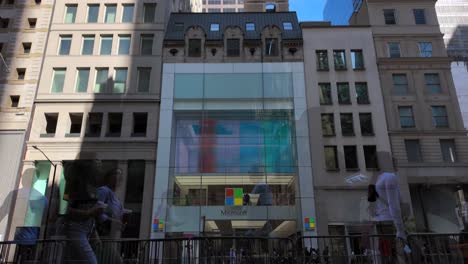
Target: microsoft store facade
[(233, 151)]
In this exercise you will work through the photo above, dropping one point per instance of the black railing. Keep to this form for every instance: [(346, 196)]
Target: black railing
[(357, 249)]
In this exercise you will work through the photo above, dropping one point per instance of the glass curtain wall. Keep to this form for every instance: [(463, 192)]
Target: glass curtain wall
[(233, 156)]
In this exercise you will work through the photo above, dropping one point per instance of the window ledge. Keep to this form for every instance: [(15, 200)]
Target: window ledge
[(323, 70), (341, 69), (359, 69), (71, 135), (368, 135), (47, 135), (352, 169), (348, 135), (138, 134)]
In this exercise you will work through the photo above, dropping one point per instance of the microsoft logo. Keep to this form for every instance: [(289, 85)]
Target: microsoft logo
[(233, 196)]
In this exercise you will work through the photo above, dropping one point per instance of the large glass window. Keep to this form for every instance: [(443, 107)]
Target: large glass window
[(350, 155), (439, 116), (325, 94), (65, 44), (365, 120), (120, 80), (425, 49), (406, 117), (124, 44), (394, 50), (102, 75), (146, 45), (127, 15), (433, 83), (149, 12), (144, 75), (106, 44), (88, 45), (37, 200)]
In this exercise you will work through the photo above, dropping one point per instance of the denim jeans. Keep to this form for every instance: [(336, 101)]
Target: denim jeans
[(79, 249)]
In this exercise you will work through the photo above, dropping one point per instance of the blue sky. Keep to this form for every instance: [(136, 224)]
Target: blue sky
[(307, 10)]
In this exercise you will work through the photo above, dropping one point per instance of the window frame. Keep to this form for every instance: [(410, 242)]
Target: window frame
[(124, 8), (408, 117), (389, 49), (419, 157), (435, 123), (353, 159), (334, 150), (67, 6), (393, 18), (329, 92), (63, 38), (423, 51), (344, 65), (89, 6), (230, 52), (362, 124), (106, 13), (394, 75), (83, 39), (106, 37), (353, 59), (248, 28), (194, 52), (340, 100), (348, 123), (322, 54), (288, 26), (430, 85), (419, 20), (330, 118), (453, 153), (54, 75)]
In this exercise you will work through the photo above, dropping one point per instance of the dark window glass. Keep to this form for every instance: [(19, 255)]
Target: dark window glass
[(146, 45), (340, 59), (233, 47), (365, 120), (271, 47), (389, 15), (413, 150), (322, 60), (433, 83), (51, 123), (439, 116), (26, 47), (419, 16), (328, 125), (370, 156), (194, 49), (362, 94), (406, 116), (394, 50), (331, 158), (400, 84), (347, 126), (149, 10), (343, 93), (350, 155), (325, 94), (139, 124), (447, 147), (357, 58), (94, 125), (135, 188), (114, 127), (14, 101), (76, 120)]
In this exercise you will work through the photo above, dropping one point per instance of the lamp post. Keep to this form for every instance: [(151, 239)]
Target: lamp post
[(51, 191)]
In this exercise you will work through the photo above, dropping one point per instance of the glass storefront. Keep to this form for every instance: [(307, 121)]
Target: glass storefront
[(233, 164)]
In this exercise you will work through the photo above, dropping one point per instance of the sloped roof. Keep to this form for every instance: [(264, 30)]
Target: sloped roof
[(180, 22)]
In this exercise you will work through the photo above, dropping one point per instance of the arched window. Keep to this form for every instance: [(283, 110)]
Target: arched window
[(270, 8)]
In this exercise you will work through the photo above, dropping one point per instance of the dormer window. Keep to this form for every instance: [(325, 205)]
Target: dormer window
[(271, 47), (287, 26), (214, 27), (194, 48), (249, 27), (233, 47)]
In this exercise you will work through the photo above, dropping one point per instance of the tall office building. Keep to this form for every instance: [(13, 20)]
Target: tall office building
[(453, 20), (99, 94), (425, 126), (23, 36)]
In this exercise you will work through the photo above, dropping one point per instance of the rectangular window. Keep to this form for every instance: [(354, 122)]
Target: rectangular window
[(362, 93), (419, 16), (88, 45), (102, 75), (425, 49), (433, 83), (127, 14), (4, 22), (194, 49), (51, 123), (365, 121), (340, 59), (343, 93), (394, 50), (14, 101), (406, 117), (114, 126), (124, 44), (144, 75), (21, 73), (439, 116), (139, 124), (58, 80), (65, 44), (146, 45), (322, 60), (32, 22), (94, 125), (106, 45), (179, 27), (350, 155), (325, 94), (233, 47), (149, 10), (26, 47), (120, 80), (357, 58), (249, 27), (413, 150), (328, 125), (82, 80), (370, 156), (93, 13), (400, 84), (331, 158), (110, 14), (447, 147), (389, 15), (287, 26), (70, 13), (134, 197), (347, 126), (271, 47), (76, 121)]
